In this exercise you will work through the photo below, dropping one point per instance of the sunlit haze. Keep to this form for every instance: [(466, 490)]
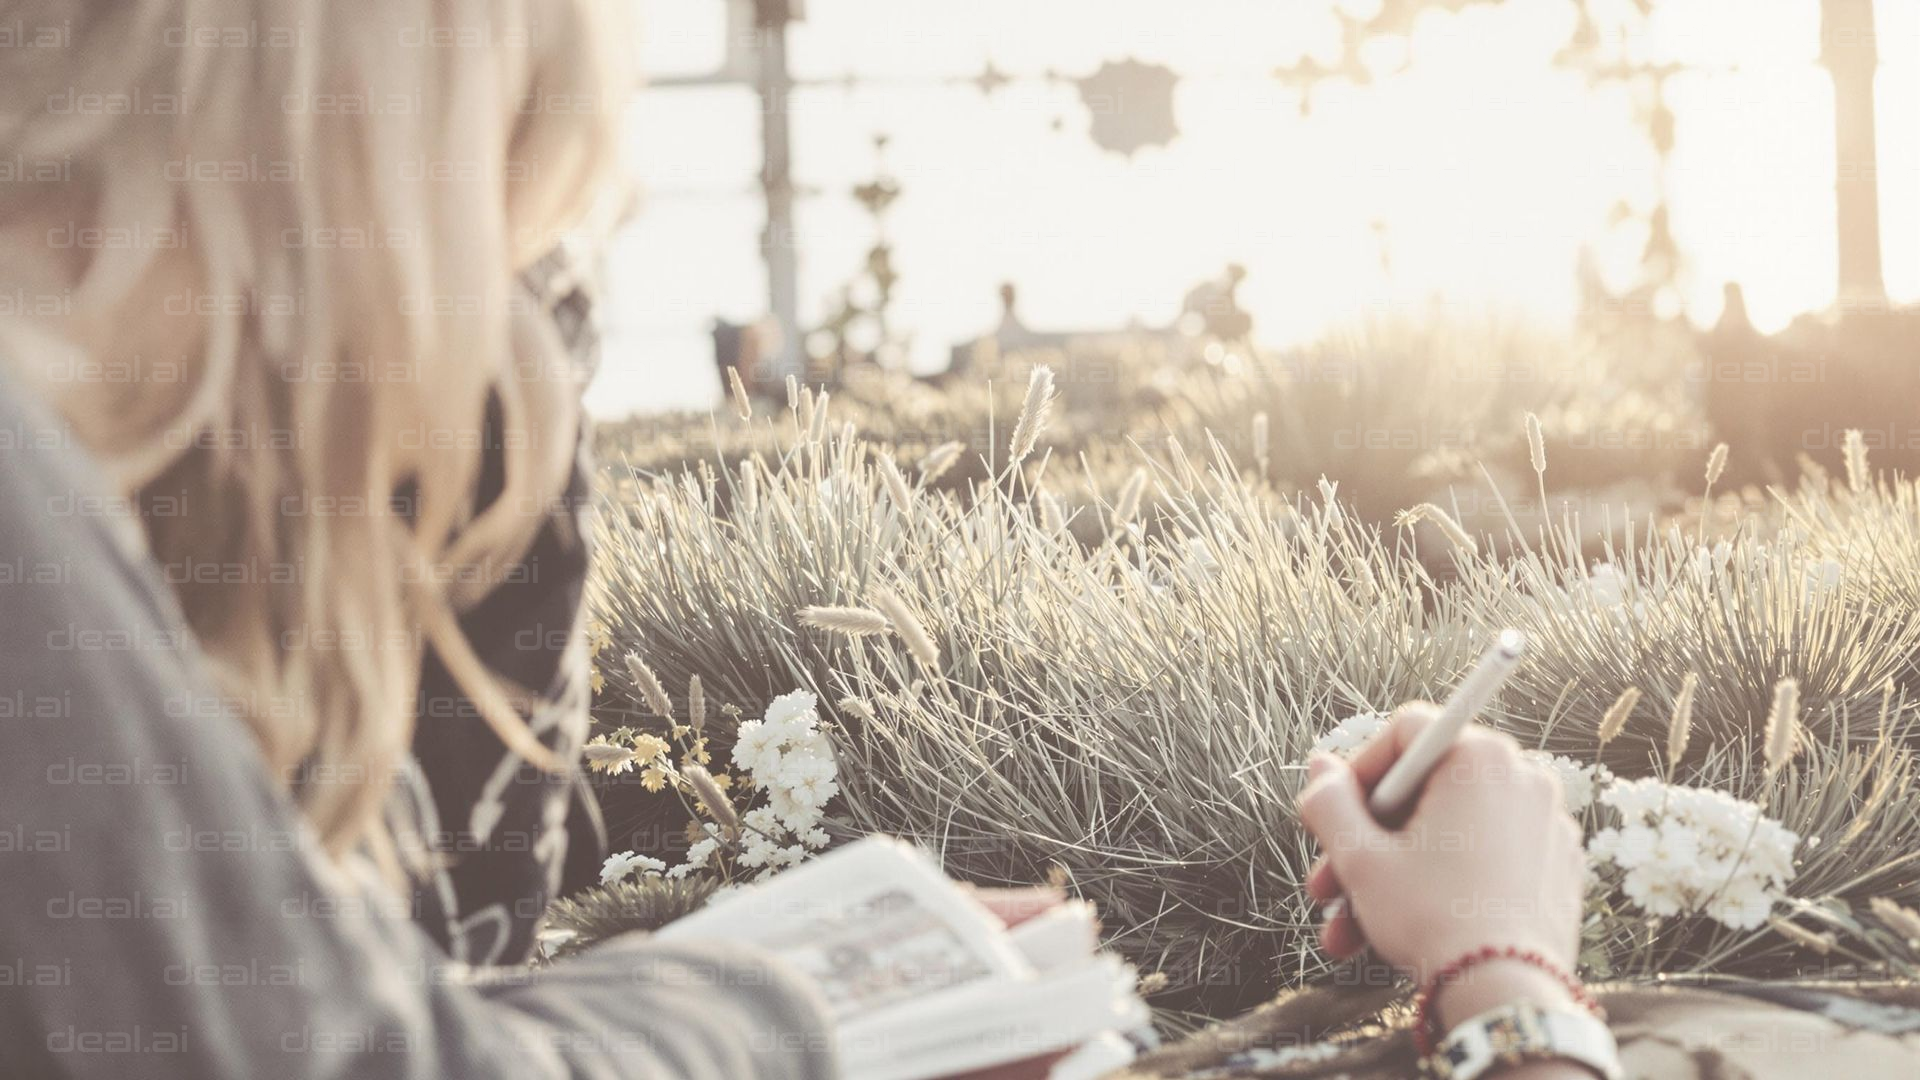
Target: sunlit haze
[(1474, 178)]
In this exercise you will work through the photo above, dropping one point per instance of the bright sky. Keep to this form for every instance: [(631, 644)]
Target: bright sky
[(1479, 174)]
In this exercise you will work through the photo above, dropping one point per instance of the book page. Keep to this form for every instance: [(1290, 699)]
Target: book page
[(874, 924)]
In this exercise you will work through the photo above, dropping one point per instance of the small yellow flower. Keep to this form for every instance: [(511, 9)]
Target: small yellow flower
[(649, 747), (698, 752), (723, 781), (654, 778), (597, 680), (598, 636)]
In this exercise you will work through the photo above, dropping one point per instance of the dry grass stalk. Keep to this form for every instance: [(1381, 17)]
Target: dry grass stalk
[(606, 757), (1052, 518), (1900, 919), (908, 626), (939, 459), (1261, 439), (1033, 413), (1858, 476), (851, 621), (651, 690), (750, 485), (741, 402), (1680, 726), (1189, 476), (1128, 504), (897, 488), (1821, 943), (1615, 720), (1442, 520), (712, 799), (821, 417), (1716, 464), (1783, 724)]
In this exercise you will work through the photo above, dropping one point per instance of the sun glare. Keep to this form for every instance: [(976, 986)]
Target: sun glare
[(1471, 170)]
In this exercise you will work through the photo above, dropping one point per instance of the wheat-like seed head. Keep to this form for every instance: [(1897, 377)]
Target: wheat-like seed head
[(1261, 436), (715, 801), (1680, 726), (1615, 720), (750, 484), (803, 416), (822, 416), (1821, 943), (1442, 520), (1783, 723), (696, 704), (1052, 518), (1900, 919), (606, 757), (908, 626), (741, 402), (851, 621), (1033, 413), (939, 459), (1858, 476), (1716, 463), (896, 484), (1536, 444), (793, 393), (858, 708), (649, 685)]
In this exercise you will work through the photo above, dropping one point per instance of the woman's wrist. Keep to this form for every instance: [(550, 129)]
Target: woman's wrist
[(1496, 982)]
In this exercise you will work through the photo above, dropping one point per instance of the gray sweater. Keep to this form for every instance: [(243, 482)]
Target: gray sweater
[(165, 912)]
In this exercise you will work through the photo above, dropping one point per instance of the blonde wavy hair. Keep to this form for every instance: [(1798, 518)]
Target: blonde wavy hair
[(266, 259)]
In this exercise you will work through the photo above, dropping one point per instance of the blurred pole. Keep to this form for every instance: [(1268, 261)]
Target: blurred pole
[(1850, 53), (775, 87)]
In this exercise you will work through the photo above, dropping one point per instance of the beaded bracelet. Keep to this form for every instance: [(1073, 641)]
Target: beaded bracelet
[(1425, 1038)]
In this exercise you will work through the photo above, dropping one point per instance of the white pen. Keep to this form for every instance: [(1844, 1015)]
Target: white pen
[(1397, 790)]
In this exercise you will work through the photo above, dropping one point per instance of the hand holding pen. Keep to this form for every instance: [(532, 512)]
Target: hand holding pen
[(1486, 851)]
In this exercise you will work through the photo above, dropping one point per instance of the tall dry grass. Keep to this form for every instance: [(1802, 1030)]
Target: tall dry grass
[(1120, 687)]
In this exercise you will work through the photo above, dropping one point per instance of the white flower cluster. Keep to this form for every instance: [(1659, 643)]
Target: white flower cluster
[(1685, 850), (1578, 783), (1350, 734), (622, 864), (790, 760)]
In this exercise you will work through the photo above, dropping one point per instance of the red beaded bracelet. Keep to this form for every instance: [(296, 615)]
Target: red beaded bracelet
[(1425, 1038)]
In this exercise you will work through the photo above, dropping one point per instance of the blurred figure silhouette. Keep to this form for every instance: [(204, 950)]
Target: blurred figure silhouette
[(746, 346), (1213, 307), (1012, 334)]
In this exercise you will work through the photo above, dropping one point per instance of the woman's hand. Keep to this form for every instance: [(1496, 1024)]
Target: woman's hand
[(1489, 856)]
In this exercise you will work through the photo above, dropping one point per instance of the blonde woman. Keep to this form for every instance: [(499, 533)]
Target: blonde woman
[(291, 545)]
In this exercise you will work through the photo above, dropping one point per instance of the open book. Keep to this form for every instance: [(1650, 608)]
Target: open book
[(923, 980)]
